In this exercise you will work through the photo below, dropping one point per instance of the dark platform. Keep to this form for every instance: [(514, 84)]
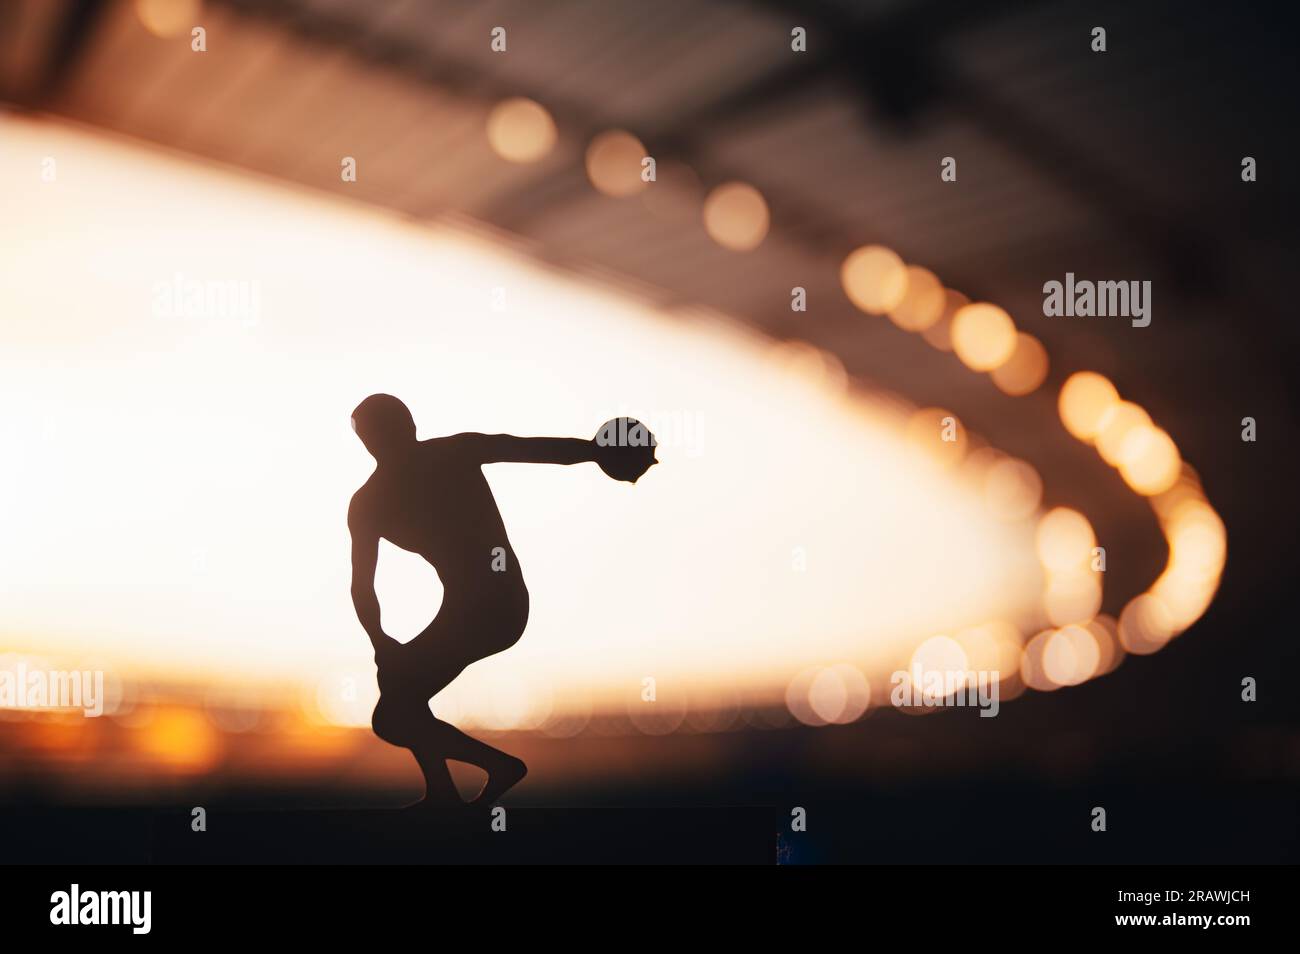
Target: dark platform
[(533, 835)]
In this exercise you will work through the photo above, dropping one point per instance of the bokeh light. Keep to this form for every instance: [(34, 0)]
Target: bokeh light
[(1072, 597), (736, 216), (838, 694), (874, 278), (1145, 624), (168, 18), (181, 739), (1012, 489), (520, 130), (983, 336), (1149, 461), (1114, 427), (1025, 370), (1071, 656), (922, 303), (1064, 540), (945, 655), (992, 647), (937, 435), (1085, 398), (614, 163)]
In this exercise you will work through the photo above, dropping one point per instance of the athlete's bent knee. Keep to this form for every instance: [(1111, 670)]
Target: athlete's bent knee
[(393, 723)]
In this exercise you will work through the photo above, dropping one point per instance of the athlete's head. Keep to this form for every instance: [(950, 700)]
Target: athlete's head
[(384, 425)]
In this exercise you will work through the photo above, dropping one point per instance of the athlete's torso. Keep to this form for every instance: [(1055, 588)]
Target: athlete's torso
[(438, 504)]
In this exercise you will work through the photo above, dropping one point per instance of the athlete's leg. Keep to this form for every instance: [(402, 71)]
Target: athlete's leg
[(399, 720), (504, 770), (407, 722), (426, 666)]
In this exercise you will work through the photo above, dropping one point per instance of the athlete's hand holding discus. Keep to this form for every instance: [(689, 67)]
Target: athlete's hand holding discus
[(625, 449)]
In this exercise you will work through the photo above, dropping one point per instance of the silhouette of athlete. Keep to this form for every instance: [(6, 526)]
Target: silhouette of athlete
[(431, 498)]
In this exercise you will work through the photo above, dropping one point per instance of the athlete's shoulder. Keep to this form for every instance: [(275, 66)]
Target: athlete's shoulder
[(361, 506), (466, 445)]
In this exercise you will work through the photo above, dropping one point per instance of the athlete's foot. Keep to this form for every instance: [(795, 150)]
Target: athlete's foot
[(501, 778)]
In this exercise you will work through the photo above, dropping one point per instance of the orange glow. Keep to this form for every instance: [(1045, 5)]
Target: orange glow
[(1197, 541), (1119, 420), (1012, 489), (181, 738), (520, 130), (838, 694), (983, 336), (993, 647), (1105, 630), (1032, 672), (1085, 399), (942, 654), (614, 163), (736, 216), (1149, 461), (1065, 540), (938, 436), (1071, 656), (874, 278), (1145, 625), (168, 18), (1025, 370), (1072, 598), (922, 303)]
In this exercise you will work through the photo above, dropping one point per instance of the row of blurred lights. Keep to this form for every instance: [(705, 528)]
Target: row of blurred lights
[(1080, 642), (982, 335), (735, 214)]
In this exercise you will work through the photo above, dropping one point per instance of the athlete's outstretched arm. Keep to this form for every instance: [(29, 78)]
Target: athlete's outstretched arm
[(365, 555), (497, 448)]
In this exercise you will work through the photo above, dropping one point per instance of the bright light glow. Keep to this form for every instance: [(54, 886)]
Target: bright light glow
[(181, 739), (1085, 399), (1065, 540), (1149, 461), (1114, 428), (1198, 542), (838, 694), (736, 217), (1012, 489), (1025, 370), (942, 654), (185, 472), (168, 18), (1072, 598), (992, 647), (874, 278), (936, 435), (984, 336), (923, 302), (1105, 630), (614, 163), (1146, 625), (520, 130), (1071, 656)]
